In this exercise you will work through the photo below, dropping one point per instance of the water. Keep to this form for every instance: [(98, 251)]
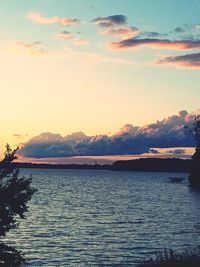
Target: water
[(105, 218)]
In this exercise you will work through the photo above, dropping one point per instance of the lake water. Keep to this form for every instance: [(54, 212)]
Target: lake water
[(105, 218)]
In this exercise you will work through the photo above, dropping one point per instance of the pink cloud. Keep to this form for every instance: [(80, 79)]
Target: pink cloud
[(190, 61), (34, 48), (124, 32), (39, 18), (133, 43), (67, 36)]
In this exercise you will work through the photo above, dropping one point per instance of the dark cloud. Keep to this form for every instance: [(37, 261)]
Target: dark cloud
[(154, 151), (179, 29), (130, 140), (155, 43), (153, 34), (185, 61), (110, 21), (186, 28)]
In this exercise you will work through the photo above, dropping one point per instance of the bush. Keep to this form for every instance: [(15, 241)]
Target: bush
[(169, 258)]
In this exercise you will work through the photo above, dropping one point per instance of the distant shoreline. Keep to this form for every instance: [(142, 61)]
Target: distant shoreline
[(147, 164)]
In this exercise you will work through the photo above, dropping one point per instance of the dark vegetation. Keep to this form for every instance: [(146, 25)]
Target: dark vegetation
[(153, 164), (169, 258), (15, 193), (194, 177)]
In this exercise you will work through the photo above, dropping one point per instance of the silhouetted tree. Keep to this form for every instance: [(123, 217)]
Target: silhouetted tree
[(194, 177), (15, 193)]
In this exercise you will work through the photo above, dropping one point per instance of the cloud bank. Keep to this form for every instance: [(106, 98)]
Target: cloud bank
[(130, 140)]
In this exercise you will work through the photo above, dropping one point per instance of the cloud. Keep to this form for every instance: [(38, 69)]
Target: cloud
[(133, 43), (39, 18), (154, 151), (180, 29), (130, 140), (34, 48), (124, 32), (110, 21), (115, 25), (185, 61), (152, 34), (187, 32), (69, 37), (20, 135), (176, 151), (196, 27), (186, 28), (93, 58)]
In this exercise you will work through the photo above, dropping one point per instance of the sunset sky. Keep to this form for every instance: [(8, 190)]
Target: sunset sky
[(88, 66)]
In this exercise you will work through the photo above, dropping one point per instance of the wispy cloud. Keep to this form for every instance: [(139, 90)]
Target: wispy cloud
[(152, 34), (41, 19), (85, 57), (20, 47), (134, 43), (187, 28), (130, 140), (94, 58), (69, 37), (20, 136), (191, 61), (110, 21), (124, 32)]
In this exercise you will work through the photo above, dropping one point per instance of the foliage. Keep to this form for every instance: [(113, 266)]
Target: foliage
[(9, 256), (15, 193), (196, 130), (169, 258), (194, 177)]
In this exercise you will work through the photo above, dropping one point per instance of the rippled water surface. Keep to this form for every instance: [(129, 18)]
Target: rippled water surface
[(105, 218)]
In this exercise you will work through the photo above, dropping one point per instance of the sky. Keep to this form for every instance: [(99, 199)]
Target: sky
[(89, 78)]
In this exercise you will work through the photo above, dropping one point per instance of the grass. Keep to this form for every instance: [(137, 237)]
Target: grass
[(169, 258)]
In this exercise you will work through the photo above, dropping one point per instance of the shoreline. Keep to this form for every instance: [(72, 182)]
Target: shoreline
[(145, 165)]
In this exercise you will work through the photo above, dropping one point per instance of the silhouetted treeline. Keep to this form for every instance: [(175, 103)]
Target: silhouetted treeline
[(62, 166), (147, 164), (153, 165)]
